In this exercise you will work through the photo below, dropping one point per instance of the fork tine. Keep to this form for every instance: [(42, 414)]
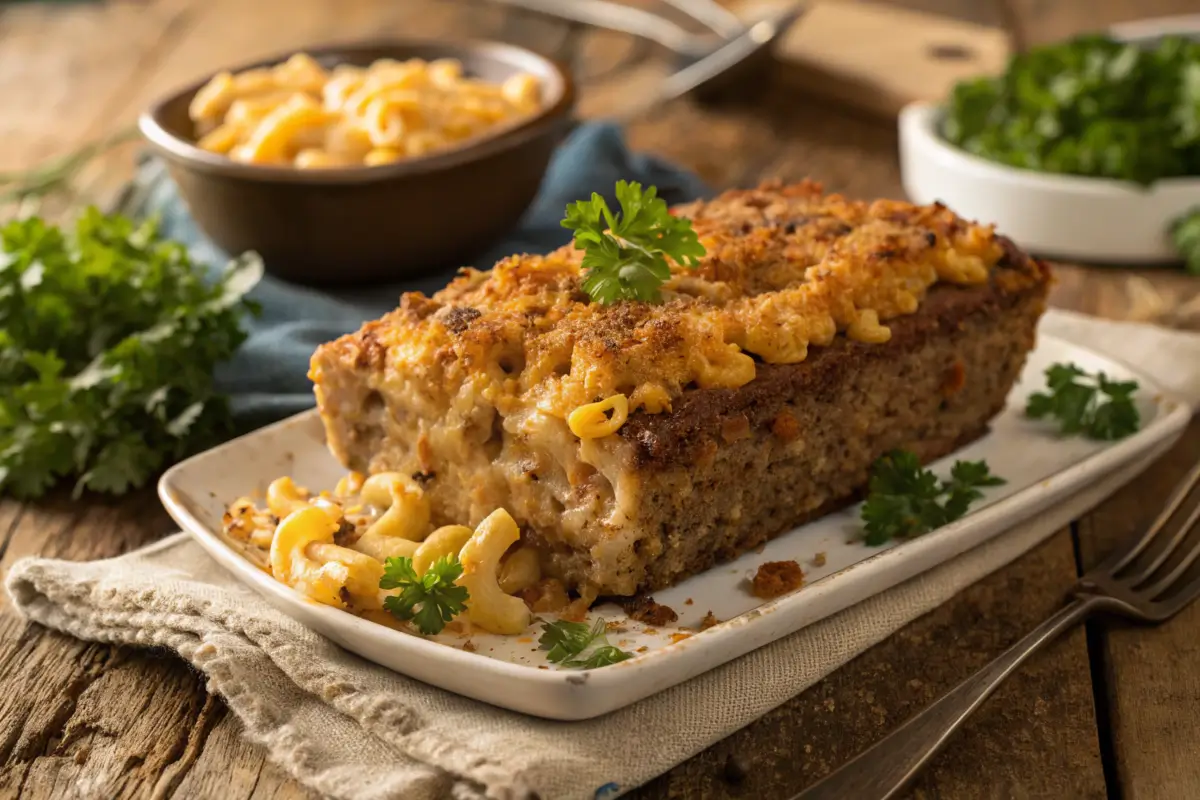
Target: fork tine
[(1176, 603), (1118, 562), (1177, 538), (1163, 584)]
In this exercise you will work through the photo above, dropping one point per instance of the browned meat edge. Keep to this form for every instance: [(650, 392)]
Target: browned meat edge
[(700, 416)]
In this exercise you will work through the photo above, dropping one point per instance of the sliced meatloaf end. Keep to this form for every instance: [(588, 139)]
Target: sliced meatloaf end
[(729, 470)]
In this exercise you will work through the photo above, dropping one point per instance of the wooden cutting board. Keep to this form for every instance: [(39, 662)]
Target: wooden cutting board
[(878, 58)]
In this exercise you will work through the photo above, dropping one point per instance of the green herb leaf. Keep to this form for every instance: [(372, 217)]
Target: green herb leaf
[(905, 500), (625, 255), (109, 335), (565, 641), (600, 657), (1185, 233), (430, 600), (1091, 106), (1086, 404)]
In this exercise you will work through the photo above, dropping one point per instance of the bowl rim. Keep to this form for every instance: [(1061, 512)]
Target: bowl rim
[(918, 125), (504, 137)]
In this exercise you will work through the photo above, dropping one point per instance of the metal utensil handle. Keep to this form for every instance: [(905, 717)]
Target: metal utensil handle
[(617, 17), (719, 61), (712, 15), (882, 771)]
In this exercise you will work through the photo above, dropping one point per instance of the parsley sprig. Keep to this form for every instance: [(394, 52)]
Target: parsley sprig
[(625, 254), (1093, 405), (567, 641), (430, 600), (109, 335), (905, 500)]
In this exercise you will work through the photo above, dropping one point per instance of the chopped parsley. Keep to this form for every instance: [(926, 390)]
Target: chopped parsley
[(109, 335), (1091, 106), (567, 641), (429, 601), (905, 500), (625, 255), (1086, 404)]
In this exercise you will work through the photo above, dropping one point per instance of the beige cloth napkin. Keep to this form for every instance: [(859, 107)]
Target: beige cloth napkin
[(353, 730)]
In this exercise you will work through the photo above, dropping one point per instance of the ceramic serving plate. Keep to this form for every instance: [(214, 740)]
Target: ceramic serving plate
[(1040, 466)]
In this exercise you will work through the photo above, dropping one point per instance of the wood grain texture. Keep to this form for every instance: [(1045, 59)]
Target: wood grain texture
[(1035, 739), (82, 720), (878, 57), (1150, 682)]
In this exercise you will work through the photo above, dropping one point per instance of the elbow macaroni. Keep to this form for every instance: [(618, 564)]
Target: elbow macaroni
[(299, 114), (284, 497), (488, 606), (304, 557), (332, 546), (405, 522), (521, 570), (592, 421), (445, 541)]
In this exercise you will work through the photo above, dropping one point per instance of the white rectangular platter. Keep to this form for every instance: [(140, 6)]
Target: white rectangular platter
[(1041, 469)]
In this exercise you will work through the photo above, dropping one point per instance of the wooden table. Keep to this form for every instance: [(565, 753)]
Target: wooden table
[(1105, 712)]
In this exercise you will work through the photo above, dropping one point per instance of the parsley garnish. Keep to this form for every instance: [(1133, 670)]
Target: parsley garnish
[(108, 339), (625, 255), (430, 600), (567, 640), (1090, 106), (1185, 234), (904, 500), (1092, 405)]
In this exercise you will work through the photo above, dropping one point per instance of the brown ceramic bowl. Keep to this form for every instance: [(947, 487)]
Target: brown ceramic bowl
[(388, 222)]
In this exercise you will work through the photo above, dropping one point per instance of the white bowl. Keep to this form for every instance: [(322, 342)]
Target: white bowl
[(1067, 217)]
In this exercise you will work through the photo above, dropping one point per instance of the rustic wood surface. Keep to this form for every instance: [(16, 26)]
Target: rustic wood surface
[(1106, 712)]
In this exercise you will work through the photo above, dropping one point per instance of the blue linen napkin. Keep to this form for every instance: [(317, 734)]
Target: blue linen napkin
[(267, 380)]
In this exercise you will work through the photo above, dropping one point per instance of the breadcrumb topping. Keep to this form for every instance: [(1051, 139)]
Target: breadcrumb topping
[(787, 268)]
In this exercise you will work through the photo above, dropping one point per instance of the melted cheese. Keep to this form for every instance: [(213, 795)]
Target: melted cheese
[(787, 269)]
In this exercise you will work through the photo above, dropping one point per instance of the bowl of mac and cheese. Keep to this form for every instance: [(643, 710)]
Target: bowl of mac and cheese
[(365, 162)]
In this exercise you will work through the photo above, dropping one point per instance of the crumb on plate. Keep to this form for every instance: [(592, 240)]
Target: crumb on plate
[(776, 578), (644, 609)]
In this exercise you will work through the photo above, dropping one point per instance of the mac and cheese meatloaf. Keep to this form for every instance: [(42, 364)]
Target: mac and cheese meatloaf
[(816, 335)]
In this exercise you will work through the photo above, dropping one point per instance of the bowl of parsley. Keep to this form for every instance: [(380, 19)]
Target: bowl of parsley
[(1085, 150)]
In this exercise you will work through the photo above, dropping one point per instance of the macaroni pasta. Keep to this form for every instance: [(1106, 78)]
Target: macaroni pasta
[(488, 606), (332, 546), (298, 113), (593, 421)]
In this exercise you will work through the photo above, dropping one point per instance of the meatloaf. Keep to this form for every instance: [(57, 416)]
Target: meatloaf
[(817, 334)]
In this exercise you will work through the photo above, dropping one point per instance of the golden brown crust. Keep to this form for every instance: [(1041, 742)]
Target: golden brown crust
[(787, 267), (701, 418)]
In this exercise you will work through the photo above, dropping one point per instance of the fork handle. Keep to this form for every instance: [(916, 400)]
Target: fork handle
[(882, 771), (617, 17)]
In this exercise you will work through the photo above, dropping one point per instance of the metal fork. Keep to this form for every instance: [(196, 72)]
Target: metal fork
[(1147, 582)]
